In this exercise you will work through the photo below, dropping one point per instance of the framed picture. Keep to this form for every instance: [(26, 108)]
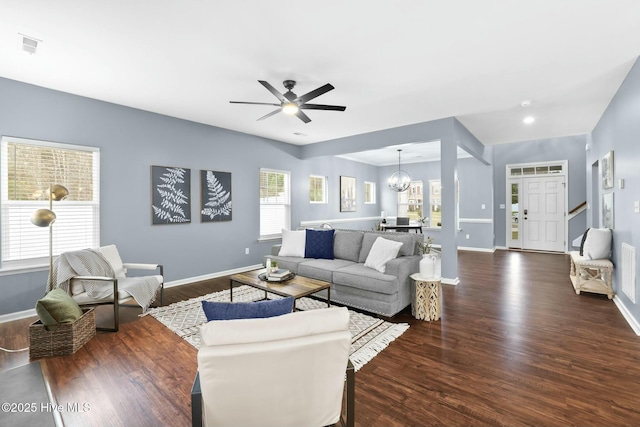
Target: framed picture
[(347, 194), (607, 171), (607, 210), (170, 195), (215, 196)]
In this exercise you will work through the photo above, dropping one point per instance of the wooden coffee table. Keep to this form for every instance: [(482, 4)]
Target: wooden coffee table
[(297, 287)]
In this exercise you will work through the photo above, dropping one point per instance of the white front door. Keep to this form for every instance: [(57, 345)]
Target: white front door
[(543, 213)]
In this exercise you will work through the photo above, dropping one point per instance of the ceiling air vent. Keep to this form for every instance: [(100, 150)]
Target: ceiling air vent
[(29, 44)]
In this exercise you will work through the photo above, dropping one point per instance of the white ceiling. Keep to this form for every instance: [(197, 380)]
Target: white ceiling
[(415, 152), (392, 63)]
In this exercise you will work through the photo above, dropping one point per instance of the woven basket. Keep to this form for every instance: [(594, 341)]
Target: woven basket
[(61, 339)]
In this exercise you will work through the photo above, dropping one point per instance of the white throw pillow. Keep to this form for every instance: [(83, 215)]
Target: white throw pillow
[(381, 252), (597, 245), (293, 243)]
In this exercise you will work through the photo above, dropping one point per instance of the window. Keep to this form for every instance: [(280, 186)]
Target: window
[(369, 193), (317, 189), (410, 201), (28, 168), (435, 203), (275, 203)]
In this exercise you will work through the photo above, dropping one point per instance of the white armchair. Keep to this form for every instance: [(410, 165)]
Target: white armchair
[(287, 370), (116, 288)]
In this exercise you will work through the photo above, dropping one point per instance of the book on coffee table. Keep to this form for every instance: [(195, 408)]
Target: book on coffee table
[(279, 273)]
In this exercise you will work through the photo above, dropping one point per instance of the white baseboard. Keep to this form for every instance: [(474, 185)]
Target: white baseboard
[(469, 248), (627, 315), (448, 281), (9, 317)]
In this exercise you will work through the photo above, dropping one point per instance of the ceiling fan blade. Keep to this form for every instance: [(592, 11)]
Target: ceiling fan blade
[(274, 112), (302, 116), (314, 93), (254, 103), (323, 107), (273, 90)]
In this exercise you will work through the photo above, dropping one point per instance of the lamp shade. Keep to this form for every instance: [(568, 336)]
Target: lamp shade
[(59, 192), (43, 217)]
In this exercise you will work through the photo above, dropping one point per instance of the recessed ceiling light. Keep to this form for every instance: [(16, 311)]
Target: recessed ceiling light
[(525, 103), (300, 134), (528, 120)]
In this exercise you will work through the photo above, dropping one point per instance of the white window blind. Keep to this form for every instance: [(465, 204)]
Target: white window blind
[(275, 203), (27, 169)]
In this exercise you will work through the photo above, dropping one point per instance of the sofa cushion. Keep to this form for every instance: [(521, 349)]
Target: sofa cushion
[(214, 310), (408, 243), (321, 269), (319, 244), (381, 252), (293, 243), (359, 276), (347, 244)]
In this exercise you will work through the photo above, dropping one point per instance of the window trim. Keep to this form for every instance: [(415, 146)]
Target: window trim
[(287, 204), (325, 198), (411, 185), (37, 263), (373, 193)]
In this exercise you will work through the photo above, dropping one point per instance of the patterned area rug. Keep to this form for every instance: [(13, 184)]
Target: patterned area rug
[(369, 335)]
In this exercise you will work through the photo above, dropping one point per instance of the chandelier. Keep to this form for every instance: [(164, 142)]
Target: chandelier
[(400, 180)]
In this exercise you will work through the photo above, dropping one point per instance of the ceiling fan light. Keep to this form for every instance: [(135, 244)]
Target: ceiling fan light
[(290, 108)]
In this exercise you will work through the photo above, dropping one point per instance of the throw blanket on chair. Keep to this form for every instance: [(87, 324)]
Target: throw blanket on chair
[(89, 262)]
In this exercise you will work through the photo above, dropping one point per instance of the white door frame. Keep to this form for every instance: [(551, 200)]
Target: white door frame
[(509, 179)]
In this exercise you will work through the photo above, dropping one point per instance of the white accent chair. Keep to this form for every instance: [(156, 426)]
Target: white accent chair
[(119, 296), (280, 371)]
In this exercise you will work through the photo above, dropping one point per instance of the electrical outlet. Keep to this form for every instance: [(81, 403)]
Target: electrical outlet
[(467, 236), (484, 206), (636, 206), (246, 251)]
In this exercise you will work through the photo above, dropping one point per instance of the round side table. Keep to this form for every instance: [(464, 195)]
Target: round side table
[(426, 298)]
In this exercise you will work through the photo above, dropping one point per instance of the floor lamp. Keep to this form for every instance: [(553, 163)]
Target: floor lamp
[(46, 218)]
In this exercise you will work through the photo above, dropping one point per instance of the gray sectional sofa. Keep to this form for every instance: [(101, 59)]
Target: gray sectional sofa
[(352, 283)]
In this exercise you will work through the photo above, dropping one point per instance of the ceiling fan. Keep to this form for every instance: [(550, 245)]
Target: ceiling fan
[(292, 104)]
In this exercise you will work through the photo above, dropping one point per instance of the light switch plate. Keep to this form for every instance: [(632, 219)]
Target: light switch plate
[(636, 206)]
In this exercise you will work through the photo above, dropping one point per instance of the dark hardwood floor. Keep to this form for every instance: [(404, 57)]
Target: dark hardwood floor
[(515, 347)]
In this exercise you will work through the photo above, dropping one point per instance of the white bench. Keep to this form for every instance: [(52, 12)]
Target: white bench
[(591, 275)]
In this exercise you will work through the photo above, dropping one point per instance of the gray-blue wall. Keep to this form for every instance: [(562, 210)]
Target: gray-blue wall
[(131, 141), (571, 148), (619, 130)]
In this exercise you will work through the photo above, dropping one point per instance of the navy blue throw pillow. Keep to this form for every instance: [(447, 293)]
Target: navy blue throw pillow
[(247, 310), (319, 244)]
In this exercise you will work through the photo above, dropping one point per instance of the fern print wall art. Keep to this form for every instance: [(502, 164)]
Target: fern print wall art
[(215, 196), (171, 195)]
